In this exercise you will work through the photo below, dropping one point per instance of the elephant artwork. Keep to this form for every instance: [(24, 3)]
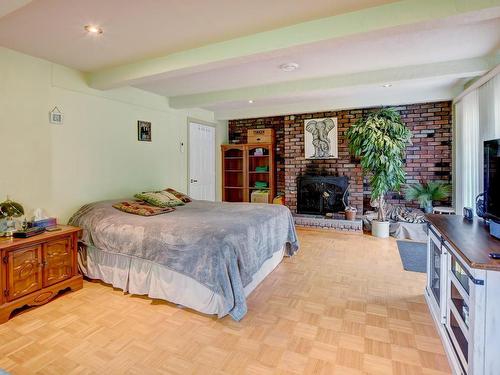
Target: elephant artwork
[(321, 138)]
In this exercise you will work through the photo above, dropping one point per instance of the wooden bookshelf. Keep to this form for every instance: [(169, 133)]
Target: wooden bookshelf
[(239, 170)]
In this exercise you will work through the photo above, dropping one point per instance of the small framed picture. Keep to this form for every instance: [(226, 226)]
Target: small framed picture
[(56, 116), (144, 131)]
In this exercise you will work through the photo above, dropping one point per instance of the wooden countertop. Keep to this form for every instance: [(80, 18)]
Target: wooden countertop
[(8, 242), (471, 239)]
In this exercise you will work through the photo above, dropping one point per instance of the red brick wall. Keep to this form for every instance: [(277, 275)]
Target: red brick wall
[(429, 158)]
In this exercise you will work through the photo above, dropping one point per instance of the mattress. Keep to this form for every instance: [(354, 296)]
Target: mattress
[(143, 277)]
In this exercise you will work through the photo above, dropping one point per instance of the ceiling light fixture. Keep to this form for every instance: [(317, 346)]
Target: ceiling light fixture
[(250, 101), (93, 29), (387, 85), (289, 67)]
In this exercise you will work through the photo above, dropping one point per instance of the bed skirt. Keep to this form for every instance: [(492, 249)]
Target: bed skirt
[(143, 277)]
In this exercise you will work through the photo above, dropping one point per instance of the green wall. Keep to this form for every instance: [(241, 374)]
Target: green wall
[(95, 154)]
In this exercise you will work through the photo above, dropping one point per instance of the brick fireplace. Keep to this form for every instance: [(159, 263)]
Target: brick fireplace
[(297, 165), (429, 158), (317, 194)]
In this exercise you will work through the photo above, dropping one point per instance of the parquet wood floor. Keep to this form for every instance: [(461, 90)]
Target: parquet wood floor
[(343, 305)]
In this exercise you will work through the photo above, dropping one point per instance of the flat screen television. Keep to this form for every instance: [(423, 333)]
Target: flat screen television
[(492, 179)]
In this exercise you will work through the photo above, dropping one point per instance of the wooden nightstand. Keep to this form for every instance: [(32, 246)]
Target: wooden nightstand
[(34, 270)]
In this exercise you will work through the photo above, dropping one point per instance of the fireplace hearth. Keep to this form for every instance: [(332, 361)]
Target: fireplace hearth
[(320, 195)]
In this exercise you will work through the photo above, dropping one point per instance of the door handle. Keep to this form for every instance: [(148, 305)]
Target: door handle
[(193, 180)]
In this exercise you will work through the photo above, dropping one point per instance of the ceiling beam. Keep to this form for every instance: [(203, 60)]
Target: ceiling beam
[(471, 86), (9, 6), (398, 14), (364, 100), (450, 69)]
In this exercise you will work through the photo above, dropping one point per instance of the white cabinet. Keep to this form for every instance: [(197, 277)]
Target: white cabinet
[(465, 305)]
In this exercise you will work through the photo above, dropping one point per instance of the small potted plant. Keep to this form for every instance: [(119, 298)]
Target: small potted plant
[(380, 140), (350, 213), (425, 194)]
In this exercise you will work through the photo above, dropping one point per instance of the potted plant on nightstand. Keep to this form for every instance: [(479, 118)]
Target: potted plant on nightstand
[(379, 140)]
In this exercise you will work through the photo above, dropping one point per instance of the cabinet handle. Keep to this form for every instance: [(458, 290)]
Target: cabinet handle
[(475, 281)]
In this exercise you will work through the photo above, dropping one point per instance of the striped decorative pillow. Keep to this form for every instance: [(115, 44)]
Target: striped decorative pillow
[(183, 197)]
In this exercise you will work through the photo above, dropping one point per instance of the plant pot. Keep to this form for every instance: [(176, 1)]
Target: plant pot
[(380, 229), (428, 209), (350, 215)]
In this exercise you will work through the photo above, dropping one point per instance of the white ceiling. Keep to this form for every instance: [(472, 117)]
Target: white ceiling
[(355, 54), (136, 29)]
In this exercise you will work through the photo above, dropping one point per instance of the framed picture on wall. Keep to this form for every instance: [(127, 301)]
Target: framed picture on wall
[(144, 131), (321, 138)]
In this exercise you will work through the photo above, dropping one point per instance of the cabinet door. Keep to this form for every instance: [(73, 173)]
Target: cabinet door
[(57, 261), (434, 273), (25, 271), (437, 275)]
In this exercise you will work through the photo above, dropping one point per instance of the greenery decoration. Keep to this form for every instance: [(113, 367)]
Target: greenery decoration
[(380, 140), (428, 192)]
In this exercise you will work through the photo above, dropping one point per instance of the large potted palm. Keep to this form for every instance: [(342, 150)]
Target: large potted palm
[(379, 140)]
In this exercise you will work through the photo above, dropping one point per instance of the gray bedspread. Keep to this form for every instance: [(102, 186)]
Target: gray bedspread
[(220, 245)]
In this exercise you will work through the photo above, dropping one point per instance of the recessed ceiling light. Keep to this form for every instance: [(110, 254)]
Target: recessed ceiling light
[(387, 85), (93, 29), (250, 101), (289, 67)]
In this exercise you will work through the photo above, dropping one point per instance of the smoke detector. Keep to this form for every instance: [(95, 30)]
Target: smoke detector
[(289, 67)]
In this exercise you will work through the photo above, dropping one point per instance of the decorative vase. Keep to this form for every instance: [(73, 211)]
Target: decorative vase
[(380, 229), (428, 208)]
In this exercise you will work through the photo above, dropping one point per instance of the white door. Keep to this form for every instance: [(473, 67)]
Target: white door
[(201, 161)]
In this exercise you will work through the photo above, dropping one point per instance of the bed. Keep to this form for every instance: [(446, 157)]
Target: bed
[(208, 256)]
